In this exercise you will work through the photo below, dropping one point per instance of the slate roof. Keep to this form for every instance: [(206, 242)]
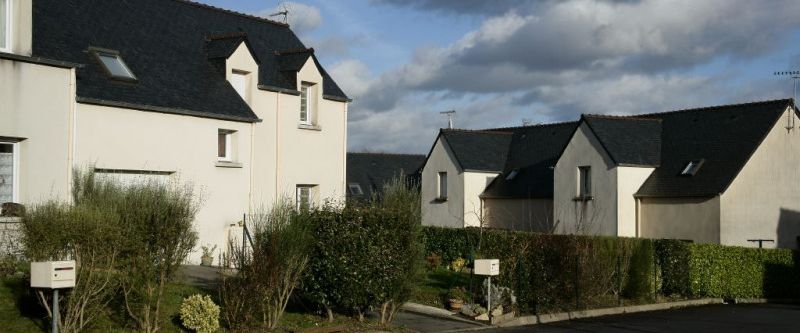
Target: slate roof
[(724, 136), (629, 141), (533, 151), (170, 46), (478, 150), (372, 170)]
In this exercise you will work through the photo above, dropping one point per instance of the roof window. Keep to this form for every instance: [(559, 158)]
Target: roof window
[(692, 167), (512, 174), (114, 65), (355, 189)]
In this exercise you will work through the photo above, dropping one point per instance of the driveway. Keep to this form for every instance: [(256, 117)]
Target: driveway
[(710, 318)]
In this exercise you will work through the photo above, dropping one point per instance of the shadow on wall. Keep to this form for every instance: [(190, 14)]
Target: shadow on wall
[(788, 229)]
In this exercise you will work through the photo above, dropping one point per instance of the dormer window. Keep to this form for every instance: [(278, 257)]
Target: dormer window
[(692, 167), (307, 103), (5, 25), (239, 82), (113, 65)]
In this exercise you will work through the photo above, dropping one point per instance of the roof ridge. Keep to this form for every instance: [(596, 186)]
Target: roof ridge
[(390, 154), (716, 107), (618, 117), (532, 126), (478, 131), (232, 12)]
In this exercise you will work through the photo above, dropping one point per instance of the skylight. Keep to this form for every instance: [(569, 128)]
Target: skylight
[(114, 66), (355, 189), (692, 167), (512, 174)]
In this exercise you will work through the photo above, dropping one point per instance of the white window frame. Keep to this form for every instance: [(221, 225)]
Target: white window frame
[(9, 27), (298, 196), (100, 53), (307, 92), (245, 78), (15, 169), (228, 145), (441, 191)]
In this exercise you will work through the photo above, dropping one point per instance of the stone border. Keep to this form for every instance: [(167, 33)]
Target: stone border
[(432, 311)]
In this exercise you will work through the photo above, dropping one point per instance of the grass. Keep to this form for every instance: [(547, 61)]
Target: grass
[(433, 289)]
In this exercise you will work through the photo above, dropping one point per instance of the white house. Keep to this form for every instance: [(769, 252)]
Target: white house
[(167, 89), (725, 174)]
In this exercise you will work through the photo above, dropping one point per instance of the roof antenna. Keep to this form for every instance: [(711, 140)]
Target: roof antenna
[(794, 75), (284, 11), (449, 115), (526, 122)]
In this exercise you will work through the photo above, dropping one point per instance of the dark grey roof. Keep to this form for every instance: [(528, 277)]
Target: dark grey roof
[(478, 150), (723, 136), (533, 152), (170, 46), (372, 170), (628, 141)]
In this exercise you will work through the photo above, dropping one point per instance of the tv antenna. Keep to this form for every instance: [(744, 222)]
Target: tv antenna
[(794, 75), (526, 122), (283, 11), (449, 115)]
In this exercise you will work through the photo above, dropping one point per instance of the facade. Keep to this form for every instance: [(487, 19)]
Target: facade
[(169, 90), (725, 174)]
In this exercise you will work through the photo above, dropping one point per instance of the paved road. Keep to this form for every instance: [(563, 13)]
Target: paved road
[(711, 318)]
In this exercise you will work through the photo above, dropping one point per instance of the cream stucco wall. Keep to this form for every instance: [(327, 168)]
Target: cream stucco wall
[(599, 215), (520, 214), (36, 104), (21, 26), (763, 201), (449, 213), (474, 184), (695, 219), (629, 180)]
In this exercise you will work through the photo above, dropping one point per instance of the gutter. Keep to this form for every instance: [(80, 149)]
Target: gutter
[(161, 109), (39, 60)]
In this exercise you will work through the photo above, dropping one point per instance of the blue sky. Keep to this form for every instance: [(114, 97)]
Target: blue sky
[(498, 63)]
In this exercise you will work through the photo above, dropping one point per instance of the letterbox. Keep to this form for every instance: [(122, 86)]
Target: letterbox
[(53, 274), (489, 267)]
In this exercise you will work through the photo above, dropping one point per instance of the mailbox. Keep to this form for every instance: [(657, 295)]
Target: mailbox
[(490, 267), (53, 274)]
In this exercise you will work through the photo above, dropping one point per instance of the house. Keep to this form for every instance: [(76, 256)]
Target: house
[(724, 174), (167, 90), (367, 173)]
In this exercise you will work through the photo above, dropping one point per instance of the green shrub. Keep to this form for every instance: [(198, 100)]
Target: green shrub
[(673, 258), (639, 281), (200, 314)]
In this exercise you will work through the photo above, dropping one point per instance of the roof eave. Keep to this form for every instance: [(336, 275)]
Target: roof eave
[(39, 60), (167, 110)]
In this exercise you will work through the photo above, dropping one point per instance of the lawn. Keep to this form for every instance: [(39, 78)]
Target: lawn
[(434, 287)]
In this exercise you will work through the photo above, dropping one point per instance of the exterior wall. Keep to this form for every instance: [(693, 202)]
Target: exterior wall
[(474, 184), (599, 215), (449, 213), (21, 26), (763, 201), (520, 214), (37, 106), (629, 180), (695, 219)]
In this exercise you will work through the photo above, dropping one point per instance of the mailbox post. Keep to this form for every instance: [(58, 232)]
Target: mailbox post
[(488, 267), (53, 275)]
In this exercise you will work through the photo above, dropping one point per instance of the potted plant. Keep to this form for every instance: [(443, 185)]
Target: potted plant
[(456, 297), (208, 255)]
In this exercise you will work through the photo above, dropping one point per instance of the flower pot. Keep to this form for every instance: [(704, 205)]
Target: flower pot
[(455, 304), (206, 260)]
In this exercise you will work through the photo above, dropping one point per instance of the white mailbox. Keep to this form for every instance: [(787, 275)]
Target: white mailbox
[(53, 274), (490, 267)]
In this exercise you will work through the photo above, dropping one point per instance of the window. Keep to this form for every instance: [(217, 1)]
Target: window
[(225, 145), (239, 82), (306, 103), (442, 195), (5, 25), (513, 174), (304, 196), (113, 65), (585, 182), (692, 167), (355, 189), (9, 172)]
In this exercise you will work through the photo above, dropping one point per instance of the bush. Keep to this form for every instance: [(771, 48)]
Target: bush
[(673, 258), (200, 314)]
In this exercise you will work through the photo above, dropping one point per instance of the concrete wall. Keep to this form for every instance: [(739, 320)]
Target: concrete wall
[(520, 214), (629, 180), (694, 219), (22, 26), (474, 184), (763, 202), (36, 104), (599, 215), (449, 213)]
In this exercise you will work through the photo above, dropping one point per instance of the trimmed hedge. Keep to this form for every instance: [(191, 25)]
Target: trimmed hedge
[(564, 272)]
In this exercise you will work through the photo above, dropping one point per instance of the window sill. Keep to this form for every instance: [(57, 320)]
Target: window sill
[(583, 198), (440, 199), (311, 127), (226, 164)]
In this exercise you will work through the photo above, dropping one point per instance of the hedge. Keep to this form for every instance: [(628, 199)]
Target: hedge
[(564, 272)]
